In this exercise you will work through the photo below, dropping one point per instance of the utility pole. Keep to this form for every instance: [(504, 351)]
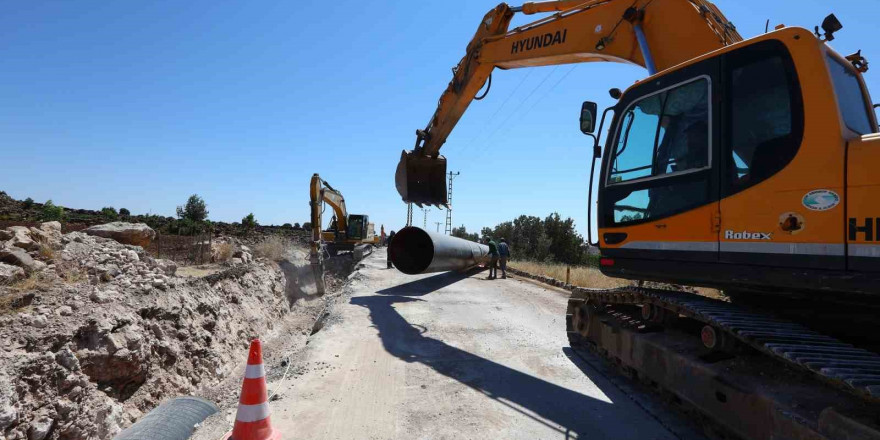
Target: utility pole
[(409, 214), (448, 229), (438, 226), (425, 211)]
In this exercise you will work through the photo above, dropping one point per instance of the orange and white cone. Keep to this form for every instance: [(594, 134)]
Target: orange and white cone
[(252, 419)]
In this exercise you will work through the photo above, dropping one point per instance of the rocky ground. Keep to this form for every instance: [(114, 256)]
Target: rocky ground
[(95, 333)]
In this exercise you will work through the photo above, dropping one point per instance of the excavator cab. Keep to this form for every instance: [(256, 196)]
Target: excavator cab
[(421, 179), (357, 227)]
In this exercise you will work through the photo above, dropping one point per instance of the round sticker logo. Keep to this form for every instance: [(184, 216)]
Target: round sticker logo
[(791, 222), (821, 200)]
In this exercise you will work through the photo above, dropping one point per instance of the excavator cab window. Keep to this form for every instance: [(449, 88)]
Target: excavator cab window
[(663, 134), (356, 227), (764, 114), (850, 97)]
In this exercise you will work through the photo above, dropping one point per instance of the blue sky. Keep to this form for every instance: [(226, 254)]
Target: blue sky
[(140, 104)]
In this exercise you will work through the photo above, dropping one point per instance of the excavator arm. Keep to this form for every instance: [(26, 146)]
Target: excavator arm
[(319, 192), (655, 34)]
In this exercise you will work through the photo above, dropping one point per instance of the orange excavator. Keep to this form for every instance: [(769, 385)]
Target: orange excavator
[(740, 165)]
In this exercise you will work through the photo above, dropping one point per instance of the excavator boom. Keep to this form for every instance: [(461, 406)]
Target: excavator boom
[(656, 34)]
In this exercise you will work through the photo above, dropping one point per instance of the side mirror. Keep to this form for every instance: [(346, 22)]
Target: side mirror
[(588, 117)]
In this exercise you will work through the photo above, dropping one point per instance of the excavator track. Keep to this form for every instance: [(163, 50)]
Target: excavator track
[(767, 365)]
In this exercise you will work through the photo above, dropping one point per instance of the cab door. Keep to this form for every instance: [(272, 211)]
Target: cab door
[(783, 179), (659, 193)]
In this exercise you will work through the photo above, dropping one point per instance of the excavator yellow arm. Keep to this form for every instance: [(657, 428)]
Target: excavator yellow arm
[(421, 179), (656, 34)]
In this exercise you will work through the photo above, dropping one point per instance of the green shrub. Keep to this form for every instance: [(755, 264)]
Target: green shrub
[(28, 203), (52, 212), (195, 209), (109, 213), (124, 213), (248, 223)]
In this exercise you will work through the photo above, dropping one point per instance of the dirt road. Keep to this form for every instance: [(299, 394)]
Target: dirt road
[(451, 356)]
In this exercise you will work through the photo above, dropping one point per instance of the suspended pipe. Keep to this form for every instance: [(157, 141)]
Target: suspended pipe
[(414, 250)]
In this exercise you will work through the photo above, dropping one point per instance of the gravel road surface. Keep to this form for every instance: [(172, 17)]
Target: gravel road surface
[(454, 356)]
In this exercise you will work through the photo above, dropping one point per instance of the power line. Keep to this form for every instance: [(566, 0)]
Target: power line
[(549, 90), (503, 123), (498, 110)]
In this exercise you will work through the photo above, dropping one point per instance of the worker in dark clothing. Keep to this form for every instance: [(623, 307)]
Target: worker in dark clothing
[(503, 256), (493, 258), (390, 239)]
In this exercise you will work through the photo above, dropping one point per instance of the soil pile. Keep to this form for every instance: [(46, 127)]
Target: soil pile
[(94, 333)]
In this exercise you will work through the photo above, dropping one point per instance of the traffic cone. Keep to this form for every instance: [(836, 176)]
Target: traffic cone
[(252, 419)]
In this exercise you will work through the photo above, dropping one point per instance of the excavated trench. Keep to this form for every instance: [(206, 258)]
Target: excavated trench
[(89, 358)]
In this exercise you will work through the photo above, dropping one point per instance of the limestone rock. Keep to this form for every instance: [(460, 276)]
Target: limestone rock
[(8, 416), (10, 274), (21, 237), (67, 359), (49, 234), (40, 428), (39, 321), (19, 258), (131, 255), (99, 297), (244, 254), (51, 227), (138, 234)]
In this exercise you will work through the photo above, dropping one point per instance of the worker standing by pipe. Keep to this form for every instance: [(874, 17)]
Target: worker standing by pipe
[(503, 256), (493, 258)]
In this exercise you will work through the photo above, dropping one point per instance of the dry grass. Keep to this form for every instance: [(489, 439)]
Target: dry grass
[(35, 281), (273, 247), (74, 276), (18, 295), (224, 252), (47, 253), (8, 303), (582, 276), (590, 277)]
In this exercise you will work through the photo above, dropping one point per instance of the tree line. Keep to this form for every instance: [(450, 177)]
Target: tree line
[(551, 239), (192, 217)]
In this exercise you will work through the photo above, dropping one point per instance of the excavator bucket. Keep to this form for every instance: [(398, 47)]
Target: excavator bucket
[(421, 180)]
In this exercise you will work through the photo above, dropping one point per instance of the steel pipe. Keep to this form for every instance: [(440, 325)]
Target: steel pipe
[(414, 250)]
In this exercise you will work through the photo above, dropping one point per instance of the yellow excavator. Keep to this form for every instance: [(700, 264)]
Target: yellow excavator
[(350, 234), (741, 165)]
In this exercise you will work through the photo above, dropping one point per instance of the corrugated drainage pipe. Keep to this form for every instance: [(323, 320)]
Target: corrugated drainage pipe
[(172, 420)]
